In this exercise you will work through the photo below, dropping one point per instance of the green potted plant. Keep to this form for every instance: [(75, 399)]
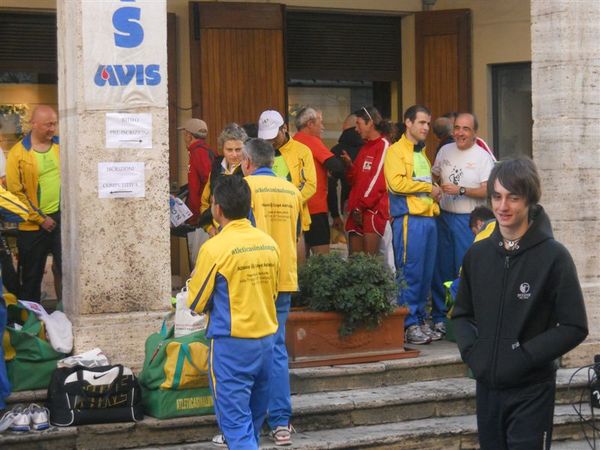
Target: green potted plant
[(345, 312)]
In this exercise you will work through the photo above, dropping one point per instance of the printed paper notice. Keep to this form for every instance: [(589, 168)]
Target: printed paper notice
[(121, 179), (128, 130)]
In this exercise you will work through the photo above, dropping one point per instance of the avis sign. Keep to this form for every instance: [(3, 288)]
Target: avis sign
[(124, 45)]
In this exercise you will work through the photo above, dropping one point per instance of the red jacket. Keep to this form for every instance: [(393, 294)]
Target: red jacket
[(368, 189), (201, 157)]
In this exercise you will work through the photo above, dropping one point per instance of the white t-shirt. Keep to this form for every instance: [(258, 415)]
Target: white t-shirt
[(466, 168)]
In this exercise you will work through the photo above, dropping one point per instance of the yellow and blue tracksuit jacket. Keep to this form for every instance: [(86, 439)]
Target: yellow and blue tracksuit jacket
[(236, 282), (408, 194), (300, 163), (276, 209), (22, 179)]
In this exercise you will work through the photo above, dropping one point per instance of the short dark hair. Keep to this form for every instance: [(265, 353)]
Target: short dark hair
[(411, 113), (480, 213), (518, 176), (260, 152), (251, 129), (232, 194)]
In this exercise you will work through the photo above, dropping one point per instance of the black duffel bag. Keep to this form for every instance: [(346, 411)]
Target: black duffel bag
[(79, 395)]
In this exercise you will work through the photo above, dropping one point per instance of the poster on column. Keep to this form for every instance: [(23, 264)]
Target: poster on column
[(124, 53), (121, 179)]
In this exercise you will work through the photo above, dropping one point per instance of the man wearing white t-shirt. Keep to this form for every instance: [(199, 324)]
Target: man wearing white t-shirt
[(462, 168)]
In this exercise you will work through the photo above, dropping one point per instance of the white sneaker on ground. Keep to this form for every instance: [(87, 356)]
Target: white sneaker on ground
[(416, 336), (7, 420), (21, 420), (218, 440), (282, 435), (39, 417), (433, 334)]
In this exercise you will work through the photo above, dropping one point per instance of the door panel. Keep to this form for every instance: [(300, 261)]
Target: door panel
[(443, 63), (238, 64)]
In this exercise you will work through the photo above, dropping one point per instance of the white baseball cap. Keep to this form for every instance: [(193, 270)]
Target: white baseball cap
[(269, 123)]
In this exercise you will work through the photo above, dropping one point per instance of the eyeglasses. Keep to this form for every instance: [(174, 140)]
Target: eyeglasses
[(366, 111)]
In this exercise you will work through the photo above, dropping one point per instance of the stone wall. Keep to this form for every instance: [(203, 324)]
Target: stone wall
[(566, 138)]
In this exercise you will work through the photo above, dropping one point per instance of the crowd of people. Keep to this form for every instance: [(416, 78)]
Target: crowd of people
[(263, 225)]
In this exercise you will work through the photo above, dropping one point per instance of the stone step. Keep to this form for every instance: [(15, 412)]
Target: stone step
[(436, 361), (459, 433), (428, 400)]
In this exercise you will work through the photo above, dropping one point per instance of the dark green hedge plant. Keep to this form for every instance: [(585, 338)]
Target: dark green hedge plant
[(362, 289)]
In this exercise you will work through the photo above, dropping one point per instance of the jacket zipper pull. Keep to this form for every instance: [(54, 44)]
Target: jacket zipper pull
[(506, 262)]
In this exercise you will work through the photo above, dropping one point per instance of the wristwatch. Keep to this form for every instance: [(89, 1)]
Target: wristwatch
[(462, 190)]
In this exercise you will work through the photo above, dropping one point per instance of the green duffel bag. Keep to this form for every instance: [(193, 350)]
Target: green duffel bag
[(174, 379), (30, 358), (167, 403)]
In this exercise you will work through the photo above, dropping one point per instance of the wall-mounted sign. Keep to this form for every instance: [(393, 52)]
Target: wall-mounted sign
[(124, 53), (121, 179), (128, 130)]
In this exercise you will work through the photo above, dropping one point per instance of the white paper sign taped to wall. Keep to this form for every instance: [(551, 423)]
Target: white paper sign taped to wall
[(128, 130), (121, 179)]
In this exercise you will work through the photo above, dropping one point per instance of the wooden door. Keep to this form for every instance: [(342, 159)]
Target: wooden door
[(443, 63), (238, 62)]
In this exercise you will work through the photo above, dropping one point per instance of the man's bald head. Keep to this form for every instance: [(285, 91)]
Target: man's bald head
[(43, 124), (442, 127), (349, 122)]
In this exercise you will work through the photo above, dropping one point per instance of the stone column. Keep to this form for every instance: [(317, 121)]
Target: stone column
[(566, 138), (116, 262)]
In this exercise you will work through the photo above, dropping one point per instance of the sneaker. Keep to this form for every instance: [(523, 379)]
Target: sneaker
[(433, 334), (7, 420), (21, 420), (414, 335), (440, 327), (39, 417), (218, 440), (282, 435)]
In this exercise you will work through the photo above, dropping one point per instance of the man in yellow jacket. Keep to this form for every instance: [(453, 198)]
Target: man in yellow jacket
[(236, 282), (293, 161), (413, 205), (33, 176), (276, 208)]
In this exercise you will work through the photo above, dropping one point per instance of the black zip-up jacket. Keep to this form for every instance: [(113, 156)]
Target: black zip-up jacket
[(517, 312)]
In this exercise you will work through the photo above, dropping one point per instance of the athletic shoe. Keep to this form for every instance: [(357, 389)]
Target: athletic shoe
[(434, 335), (7, 420), (21, 420), (282, 435), (414, 335), (440, 327), (218, 440), (39, 417)]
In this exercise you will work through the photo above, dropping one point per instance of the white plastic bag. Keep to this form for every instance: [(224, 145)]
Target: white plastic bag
[(386, 247), (186, 320), (59, 331)]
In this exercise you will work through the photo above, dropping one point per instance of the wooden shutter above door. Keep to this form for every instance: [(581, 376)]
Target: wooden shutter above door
[(238, 63), (443, 62), (28, 42)]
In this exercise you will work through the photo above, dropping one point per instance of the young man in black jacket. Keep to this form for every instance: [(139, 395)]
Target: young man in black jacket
[(519, 308)]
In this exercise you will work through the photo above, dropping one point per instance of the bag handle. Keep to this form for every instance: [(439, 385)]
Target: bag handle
[(184, 353)]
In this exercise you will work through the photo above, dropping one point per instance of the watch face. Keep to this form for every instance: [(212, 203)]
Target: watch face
[(462, 191)]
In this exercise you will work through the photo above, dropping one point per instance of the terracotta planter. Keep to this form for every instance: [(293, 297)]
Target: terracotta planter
[(312, 339)]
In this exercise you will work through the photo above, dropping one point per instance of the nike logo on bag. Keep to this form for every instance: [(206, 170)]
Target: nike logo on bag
[(99, 376)]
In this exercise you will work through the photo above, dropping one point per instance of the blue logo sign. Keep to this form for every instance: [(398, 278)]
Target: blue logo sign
[(129, 33), (122, 75), (126, 21)]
